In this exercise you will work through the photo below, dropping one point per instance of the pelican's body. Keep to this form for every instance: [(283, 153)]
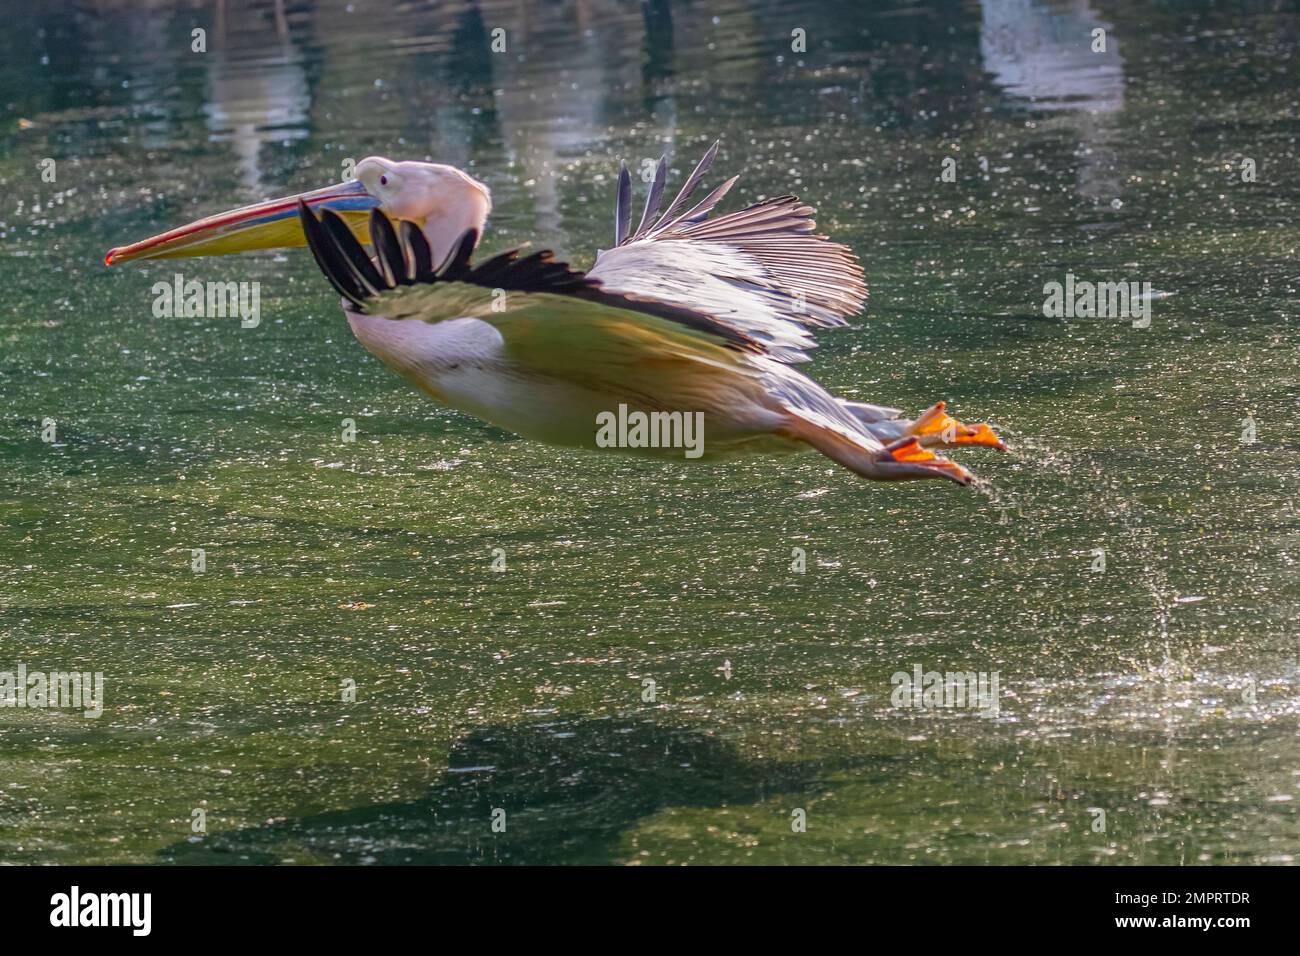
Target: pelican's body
[(464, 363), (685, 316)]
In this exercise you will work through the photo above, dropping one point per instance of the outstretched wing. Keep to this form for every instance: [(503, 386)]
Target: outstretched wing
[(762, 270), (551, 319)]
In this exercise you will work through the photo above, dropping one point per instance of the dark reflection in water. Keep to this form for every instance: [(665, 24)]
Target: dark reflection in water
[(1163, 690), (573, 788)]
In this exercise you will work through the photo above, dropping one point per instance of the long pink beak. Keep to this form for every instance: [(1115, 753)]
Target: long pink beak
[(267, 225)]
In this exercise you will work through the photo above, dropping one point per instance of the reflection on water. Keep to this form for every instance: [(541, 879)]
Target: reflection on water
[(1052, 54), (1164, 689), (256, 92)]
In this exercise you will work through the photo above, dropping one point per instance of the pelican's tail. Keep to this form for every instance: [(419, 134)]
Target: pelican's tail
[(937, 429), (903, 460)]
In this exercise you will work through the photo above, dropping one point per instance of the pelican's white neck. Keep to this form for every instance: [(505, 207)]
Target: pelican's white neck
[(463, 206)]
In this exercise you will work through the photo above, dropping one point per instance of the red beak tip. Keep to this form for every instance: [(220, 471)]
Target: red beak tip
[(108, 258)]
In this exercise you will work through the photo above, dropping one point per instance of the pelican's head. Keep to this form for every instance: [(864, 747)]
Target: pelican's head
[(442, 200)]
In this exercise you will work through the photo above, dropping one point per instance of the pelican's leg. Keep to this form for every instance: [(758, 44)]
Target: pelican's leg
[(937, 429), (903, 460)]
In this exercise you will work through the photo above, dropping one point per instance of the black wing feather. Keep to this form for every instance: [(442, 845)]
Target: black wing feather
[(488, 272), (623, 206), (656, 196), (363, 271), (341, 257), (388, 250), (458, 262), (328, 257), (421, 255)]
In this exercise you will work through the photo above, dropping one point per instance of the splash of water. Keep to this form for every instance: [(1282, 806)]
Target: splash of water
[(1085, 478)]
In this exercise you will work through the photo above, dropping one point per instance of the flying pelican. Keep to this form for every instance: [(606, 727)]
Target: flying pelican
[(684, 314)]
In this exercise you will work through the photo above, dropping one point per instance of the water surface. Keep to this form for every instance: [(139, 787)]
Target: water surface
[(1162, 690)]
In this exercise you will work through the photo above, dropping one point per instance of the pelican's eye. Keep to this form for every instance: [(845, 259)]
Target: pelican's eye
[(383, 180)]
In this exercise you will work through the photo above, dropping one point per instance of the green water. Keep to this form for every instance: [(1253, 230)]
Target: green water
[(1162, 690)]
